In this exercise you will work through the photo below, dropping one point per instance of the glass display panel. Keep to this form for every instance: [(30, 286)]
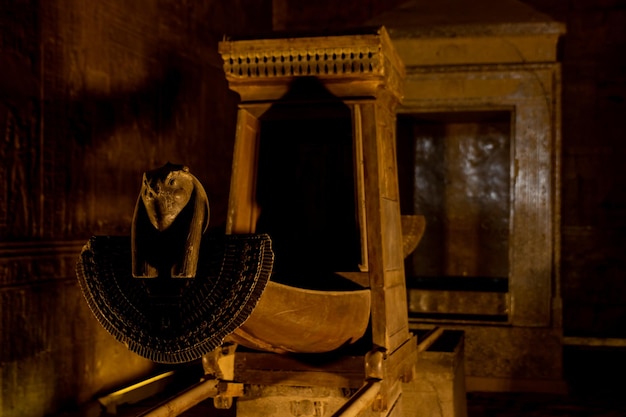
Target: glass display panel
[(454, 168)]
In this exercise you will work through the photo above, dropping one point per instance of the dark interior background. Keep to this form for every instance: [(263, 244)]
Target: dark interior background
[(94, 93)]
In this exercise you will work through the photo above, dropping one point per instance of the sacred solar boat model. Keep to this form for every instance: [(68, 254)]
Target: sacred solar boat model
[(312, 259), (178, 280)]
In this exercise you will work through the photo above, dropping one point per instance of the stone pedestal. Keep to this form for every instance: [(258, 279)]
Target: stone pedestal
[(438, 389)]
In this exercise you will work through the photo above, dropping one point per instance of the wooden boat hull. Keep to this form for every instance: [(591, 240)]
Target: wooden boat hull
[(292, 319)]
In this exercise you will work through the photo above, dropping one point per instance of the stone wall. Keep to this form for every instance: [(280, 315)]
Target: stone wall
[(325, 15), (594, 177), (91, 95)]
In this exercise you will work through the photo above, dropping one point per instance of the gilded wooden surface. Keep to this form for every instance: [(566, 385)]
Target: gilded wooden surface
[(359, 86), (265, 368), (261, 69), (242, 206), (383, 225), (413, 227), (292, 319)]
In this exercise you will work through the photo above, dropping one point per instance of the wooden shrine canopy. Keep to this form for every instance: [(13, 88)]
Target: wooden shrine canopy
[(308, 89)]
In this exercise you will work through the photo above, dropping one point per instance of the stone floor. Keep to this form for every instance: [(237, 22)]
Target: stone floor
[(596, 382), (480, 404), (586, 400), (544, 405), (593, 403)]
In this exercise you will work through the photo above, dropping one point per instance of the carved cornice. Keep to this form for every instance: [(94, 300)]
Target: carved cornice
[(308, 60), (348, 65)]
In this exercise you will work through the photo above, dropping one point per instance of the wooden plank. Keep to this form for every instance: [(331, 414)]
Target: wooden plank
[(292, 319), (361, 400), (389, 313), (300, 378), (242, 207), (393, 254), (269, 369), (396, 312), (359, 175), (136, 392)]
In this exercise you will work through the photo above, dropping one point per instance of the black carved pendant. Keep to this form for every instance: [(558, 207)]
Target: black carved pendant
[(174, 320)]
